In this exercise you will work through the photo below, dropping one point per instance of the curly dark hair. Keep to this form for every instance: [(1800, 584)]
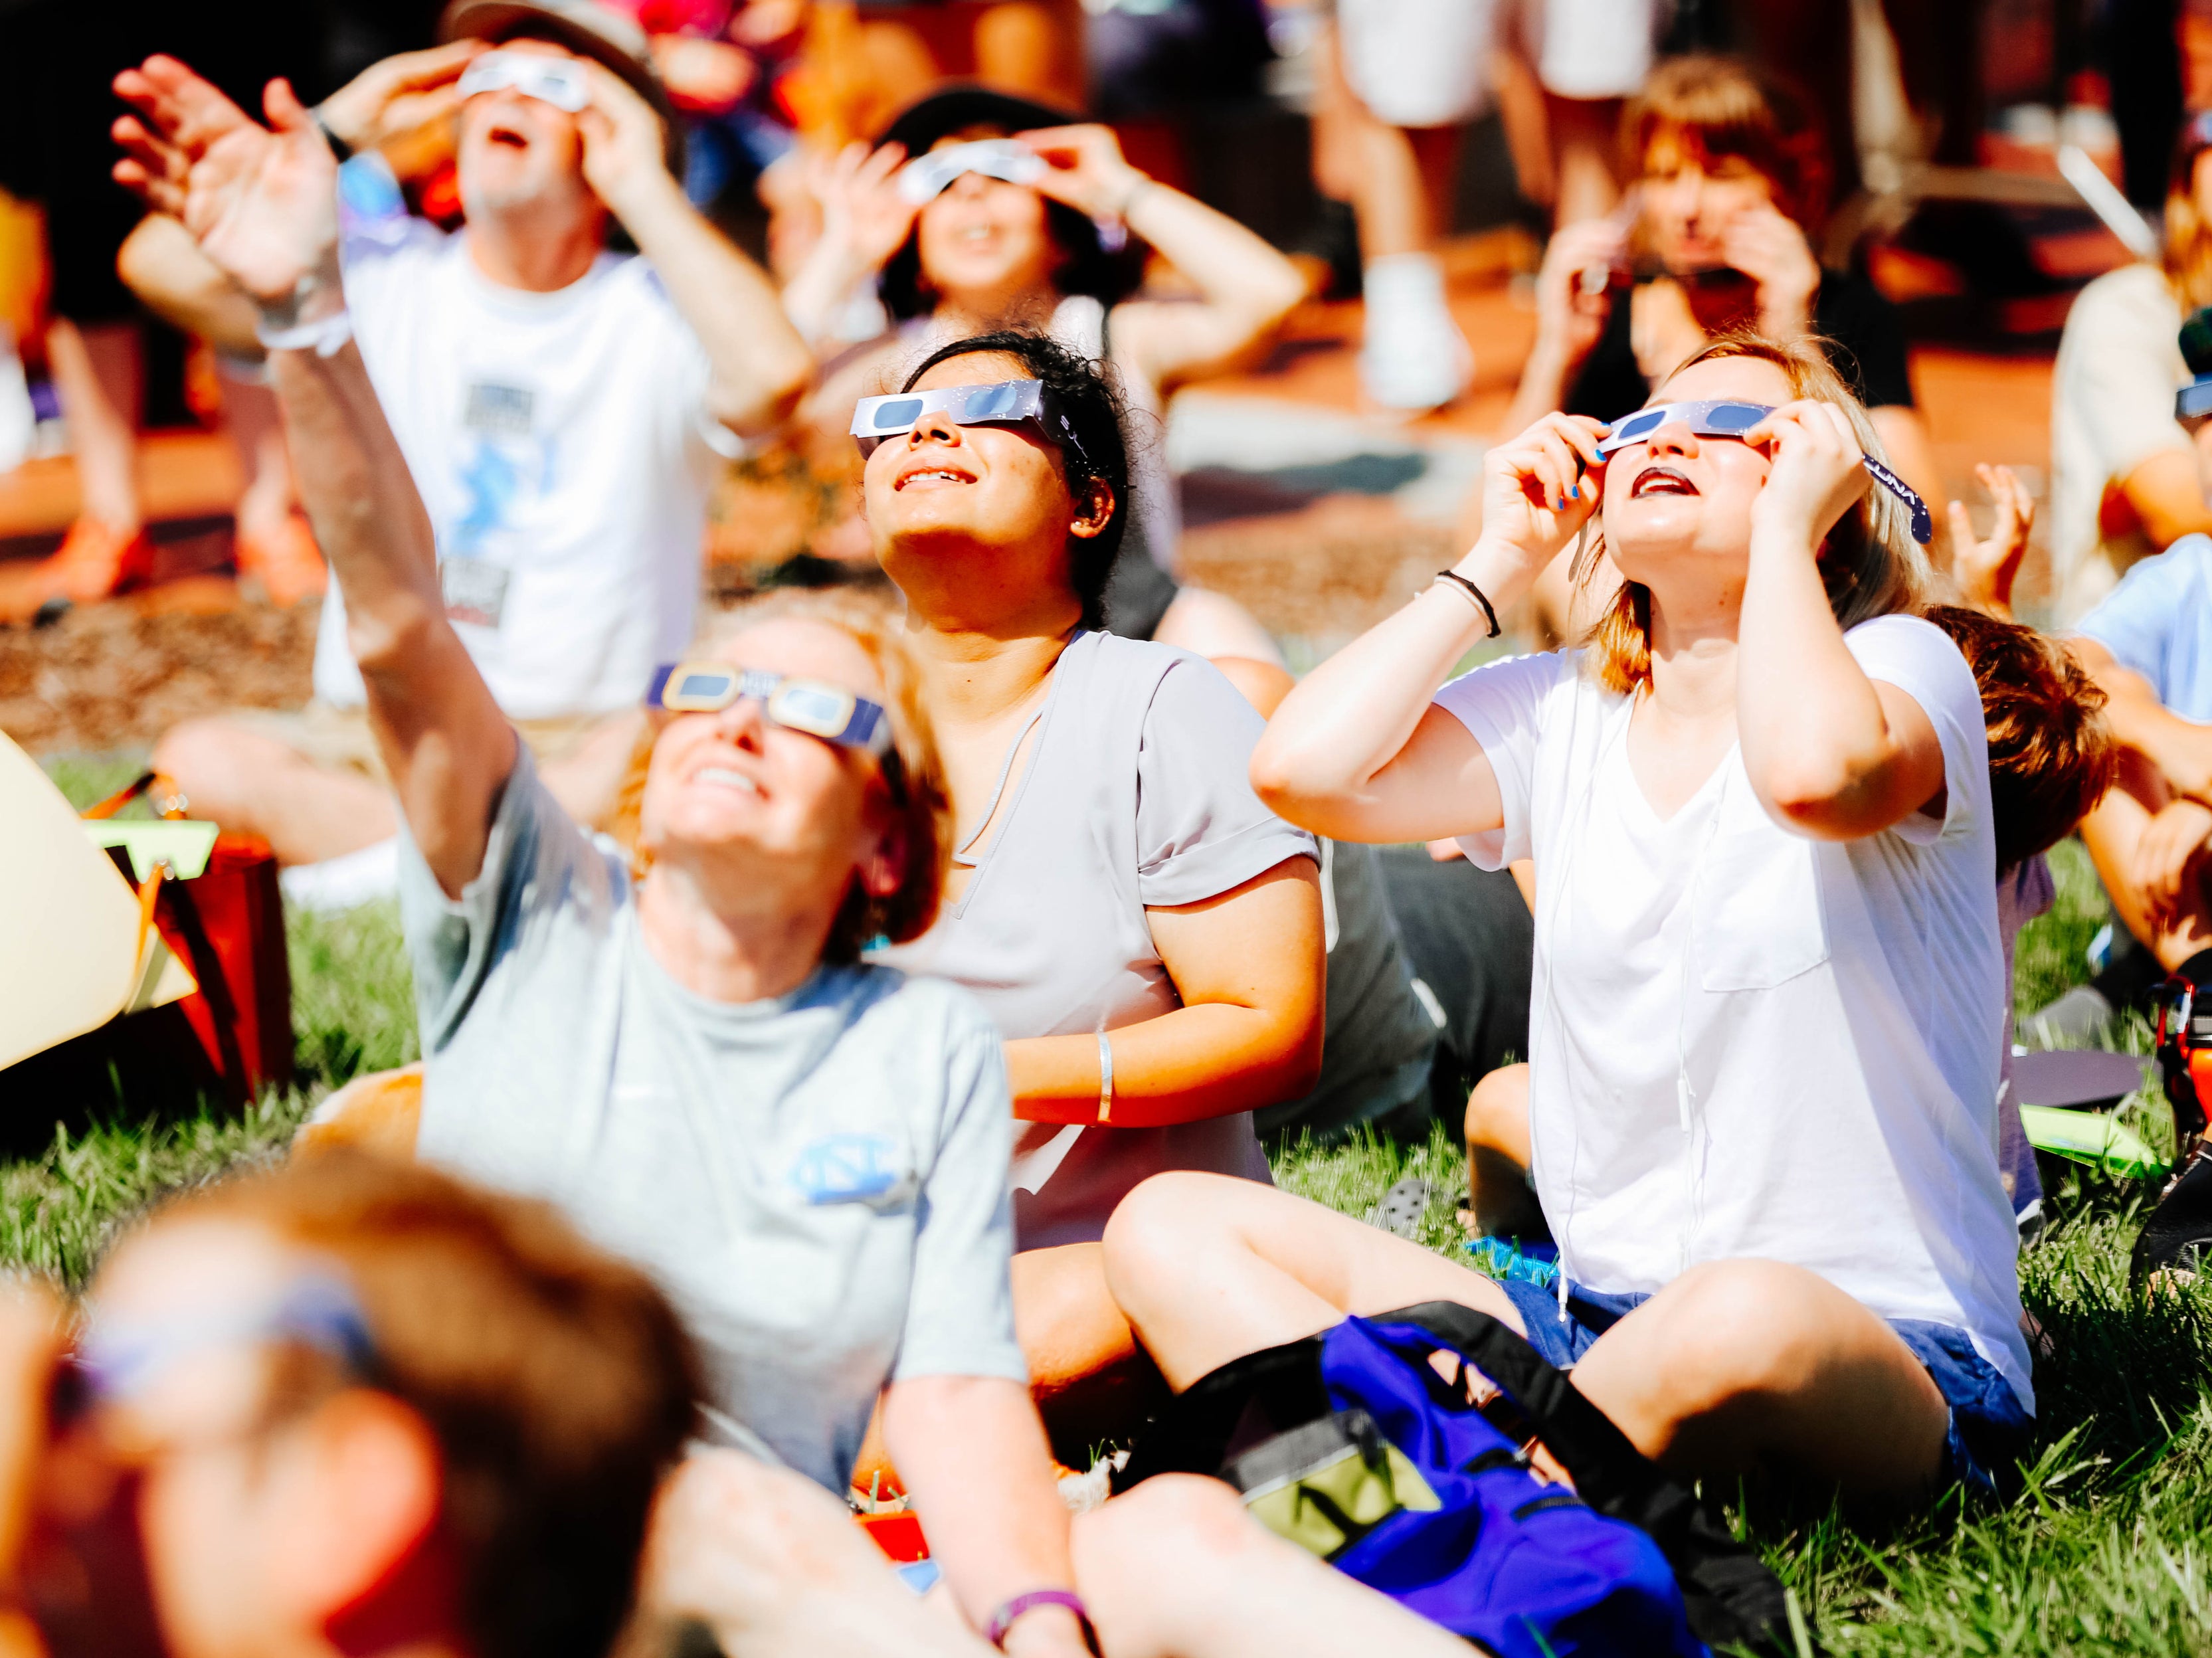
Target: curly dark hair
[(1094, 407), (2051, 752)]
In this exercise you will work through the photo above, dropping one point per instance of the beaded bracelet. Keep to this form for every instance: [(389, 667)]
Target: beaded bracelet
[(1005, 1617)]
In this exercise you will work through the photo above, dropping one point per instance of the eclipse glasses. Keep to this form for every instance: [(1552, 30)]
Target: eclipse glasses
[(556, 81), (812, 705), (926, 177), (1008, 403), (1727, 418)]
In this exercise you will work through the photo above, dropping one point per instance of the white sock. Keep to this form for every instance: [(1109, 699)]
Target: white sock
[(344, 882), (1414, 355)]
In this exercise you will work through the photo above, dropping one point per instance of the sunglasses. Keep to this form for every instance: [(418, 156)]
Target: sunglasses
[(925, 178), (556, 81), (814, 706), (1009, 402), (1726, 418)]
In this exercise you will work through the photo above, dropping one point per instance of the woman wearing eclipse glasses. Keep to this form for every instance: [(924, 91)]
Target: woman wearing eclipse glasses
[(808, 1153), (1145, 934), (1768, 985)]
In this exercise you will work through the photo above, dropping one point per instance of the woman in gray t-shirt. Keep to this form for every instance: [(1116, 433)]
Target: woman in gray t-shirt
[(1146, 936)]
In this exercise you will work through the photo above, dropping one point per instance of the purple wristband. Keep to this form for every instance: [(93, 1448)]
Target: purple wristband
[(1005, 1617)]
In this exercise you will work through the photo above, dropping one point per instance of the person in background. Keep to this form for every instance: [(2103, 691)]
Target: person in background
[(1769, 985), (981, 252), (837, 1227), (1717, 233), (2126, 480), (562, 408), (344, 1407), (1147, 938)]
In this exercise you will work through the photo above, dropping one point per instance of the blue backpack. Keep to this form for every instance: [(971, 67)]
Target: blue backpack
[(1354, 1444)]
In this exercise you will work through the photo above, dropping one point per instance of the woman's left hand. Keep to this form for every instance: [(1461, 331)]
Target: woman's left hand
[(1087, 172), (1816, 470), (1768, 247)]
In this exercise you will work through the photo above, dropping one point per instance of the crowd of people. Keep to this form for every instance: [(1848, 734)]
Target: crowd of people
[(854, 1023)]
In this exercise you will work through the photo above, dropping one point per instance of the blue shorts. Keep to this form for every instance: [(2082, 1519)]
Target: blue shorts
[(1988, 1429)]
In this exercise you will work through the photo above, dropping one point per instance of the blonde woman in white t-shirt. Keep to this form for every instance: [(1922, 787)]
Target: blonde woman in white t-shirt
[(1763, 1034)]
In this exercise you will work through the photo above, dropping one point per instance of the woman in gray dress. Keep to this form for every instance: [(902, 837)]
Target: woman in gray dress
[(1144, 934)]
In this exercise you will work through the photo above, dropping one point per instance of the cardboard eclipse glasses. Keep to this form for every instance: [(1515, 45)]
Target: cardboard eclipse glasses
[(814, 706), (556, 81), (1727, 418), (1008, 403), (926, 177)]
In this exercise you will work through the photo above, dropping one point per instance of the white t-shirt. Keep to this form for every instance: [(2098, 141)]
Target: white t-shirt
[(560, 442), (1823, 1018)]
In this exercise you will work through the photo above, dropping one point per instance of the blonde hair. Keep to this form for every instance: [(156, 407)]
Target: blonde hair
[(1869, 563), (2187, 257), (920, 801)]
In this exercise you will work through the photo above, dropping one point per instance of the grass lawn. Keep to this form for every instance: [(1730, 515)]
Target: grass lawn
[(2106, 1551)]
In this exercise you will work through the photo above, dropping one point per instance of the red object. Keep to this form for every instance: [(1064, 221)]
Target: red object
[(898, 1535), (228, 927)]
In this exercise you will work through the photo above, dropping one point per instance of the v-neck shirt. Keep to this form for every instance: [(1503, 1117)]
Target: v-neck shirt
[(1745, 1044), (1136, 794)]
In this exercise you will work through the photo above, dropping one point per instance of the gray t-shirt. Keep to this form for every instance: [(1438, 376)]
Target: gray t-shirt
[(817, 1180), (1136, 794)]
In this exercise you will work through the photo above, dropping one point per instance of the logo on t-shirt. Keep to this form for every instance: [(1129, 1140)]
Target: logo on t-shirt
[(852, 1169), (500, 411)]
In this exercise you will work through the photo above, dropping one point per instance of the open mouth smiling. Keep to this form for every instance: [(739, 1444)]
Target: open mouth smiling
[(1660, 481), (933, 475)]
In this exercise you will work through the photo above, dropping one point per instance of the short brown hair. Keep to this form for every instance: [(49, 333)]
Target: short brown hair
[(1712, 106), (923, 801), (1870, 564), (558, 1383), (2051, 752)]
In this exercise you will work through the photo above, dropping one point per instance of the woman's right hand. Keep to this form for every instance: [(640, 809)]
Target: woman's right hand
[(1539, 489), (864, 213)]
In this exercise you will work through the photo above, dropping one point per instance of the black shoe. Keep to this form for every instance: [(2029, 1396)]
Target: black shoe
[(2179, 1233)]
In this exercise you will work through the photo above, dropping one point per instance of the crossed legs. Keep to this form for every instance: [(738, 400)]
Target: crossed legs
[(1737, 1367)]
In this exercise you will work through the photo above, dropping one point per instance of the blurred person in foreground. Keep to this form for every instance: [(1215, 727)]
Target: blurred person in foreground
[(1731, 182), (348, 1407), (560, 405), (2126, 479), (808, 1152)]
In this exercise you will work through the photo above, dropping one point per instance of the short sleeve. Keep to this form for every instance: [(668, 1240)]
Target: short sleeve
[(1200, 829), (1866, 339), (2136, 620), (535, 859), (960, 1312), (1919, 659), (1502, 705), (2121, 364)]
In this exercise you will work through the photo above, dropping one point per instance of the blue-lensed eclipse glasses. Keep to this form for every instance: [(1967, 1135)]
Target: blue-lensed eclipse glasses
[(812, 705), (1725, 417), (1008, 403)]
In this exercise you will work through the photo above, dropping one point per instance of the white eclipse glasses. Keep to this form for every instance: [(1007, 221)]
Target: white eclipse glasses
[(556, 81), (814, 706), (1725, 417), (1007, 402), (926, 177)]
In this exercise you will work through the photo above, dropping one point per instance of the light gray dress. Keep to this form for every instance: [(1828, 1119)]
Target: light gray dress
[(1136, 794)]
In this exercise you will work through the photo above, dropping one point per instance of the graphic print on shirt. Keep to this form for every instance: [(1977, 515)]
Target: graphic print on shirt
[(503, 462), (853, 1169)]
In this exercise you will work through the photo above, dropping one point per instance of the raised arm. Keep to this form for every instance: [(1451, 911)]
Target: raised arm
[(1356, 751), (1245, 287), (262, 205), (1831, 753), (760, 365)]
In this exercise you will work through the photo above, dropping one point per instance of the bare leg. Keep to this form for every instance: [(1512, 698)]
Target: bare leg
[(256, 427), (1738, 1364), (1497, 1157), (1209, 1268), (1033, 48), (99, 374), (1178, 1569), (1214, 625), (1092, 1383), (253, 783), (1585, 133)]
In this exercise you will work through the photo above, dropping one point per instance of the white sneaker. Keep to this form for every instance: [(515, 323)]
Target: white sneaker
[(1413, 357)]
